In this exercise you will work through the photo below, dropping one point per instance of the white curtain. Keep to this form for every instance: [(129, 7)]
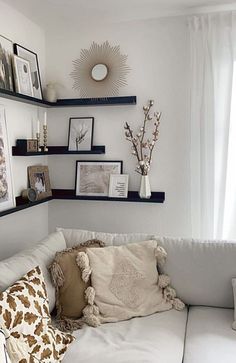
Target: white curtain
[(213, 42)]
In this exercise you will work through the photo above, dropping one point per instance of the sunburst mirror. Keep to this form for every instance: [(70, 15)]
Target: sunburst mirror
[(100, 71)]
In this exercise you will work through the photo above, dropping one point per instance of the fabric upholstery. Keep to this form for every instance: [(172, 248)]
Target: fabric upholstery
[(209, 337), (41, 254), (26, 322)]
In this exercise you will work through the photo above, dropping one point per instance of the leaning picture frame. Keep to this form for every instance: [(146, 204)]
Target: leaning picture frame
[(6, 71), (22, 76), (32, 58), (6, 183), (92, 177), (80, 137), (39, 180)]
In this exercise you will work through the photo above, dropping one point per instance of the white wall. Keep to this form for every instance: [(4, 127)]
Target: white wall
[(26, 227), (158, 53)]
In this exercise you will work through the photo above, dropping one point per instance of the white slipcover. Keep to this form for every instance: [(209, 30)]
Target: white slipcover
[(209, 337), (155, 338)]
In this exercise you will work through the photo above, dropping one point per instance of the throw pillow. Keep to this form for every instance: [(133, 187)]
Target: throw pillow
[(70, 287), (234, 294), (26, 322), (125, 282)]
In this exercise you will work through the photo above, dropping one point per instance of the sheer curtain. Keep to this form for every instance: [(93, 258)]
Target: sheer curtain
[(213, 42)]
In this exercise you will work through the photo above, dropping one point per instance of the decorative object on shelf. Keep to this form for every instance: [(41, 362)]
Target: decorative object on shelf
[(6, 54), (142, 146), (6, 189), (39, 180), (80, 133), (50, 92), (45, 133), (100, 71), (29, 194), (23, 81), (27, 145), (32, 58), (118, 186), (92, 177)]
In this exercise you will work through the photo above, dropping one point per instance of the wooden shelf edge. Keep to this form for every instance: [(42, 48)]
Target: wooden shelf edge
[(60, 150), (21, 205)]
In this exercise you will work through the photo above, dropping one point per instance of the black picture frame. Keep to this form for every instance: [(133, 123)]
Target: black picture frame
[(21, 51), (90, 141), (96, 190)]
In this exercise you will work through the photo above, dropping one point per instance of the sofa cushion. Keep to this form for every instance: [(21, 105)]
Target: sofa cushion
[(155, 338), (201, 271), (41, 254), (210, 337)]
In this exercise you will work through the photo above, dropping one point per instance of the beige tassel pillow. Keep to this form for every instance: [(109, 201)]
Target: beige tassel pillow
[(125, 282), (70, 287)]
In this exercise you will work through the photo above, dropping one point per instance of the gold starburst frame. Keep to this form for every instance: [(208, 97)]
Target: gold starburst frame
[(104, 54)]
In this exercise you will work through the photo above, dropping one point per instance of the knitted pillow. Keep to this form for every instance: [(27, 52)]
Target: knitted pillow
[(125, 282), (70, 288), (26, 322)]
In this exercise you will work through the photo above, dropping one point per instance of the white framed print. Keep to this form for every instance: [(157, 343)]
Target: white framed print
[(118, 186), (22, 73), (6, 188), (93, 177), (80, 133)]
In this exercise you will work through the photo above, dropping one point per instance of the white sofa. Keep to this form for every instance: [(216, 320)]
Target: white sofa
[(201, 272)]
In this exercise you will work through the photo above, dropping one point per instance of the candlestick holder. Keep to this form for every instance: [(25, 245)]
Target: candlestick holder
[(38, 141), (45, 137)]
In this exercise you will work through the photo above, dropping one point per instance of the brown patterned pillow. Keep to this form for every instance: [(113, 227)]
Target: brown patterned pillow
[(25, 319), (70, 287)]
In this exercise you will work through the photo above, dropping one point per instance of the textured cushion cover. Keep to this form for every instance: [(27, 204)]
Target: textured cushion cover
[(41, 254), (25, 318), (70, 287), (210, 338), (157, 338), (126, 282)]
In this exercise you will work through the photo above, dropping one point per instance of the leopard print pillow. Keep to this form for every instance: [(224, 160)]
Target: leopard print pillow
[(26, 321)]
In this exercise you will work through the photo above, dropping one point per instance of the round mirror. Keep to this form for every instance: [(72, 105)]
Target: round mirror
[(99, 72)]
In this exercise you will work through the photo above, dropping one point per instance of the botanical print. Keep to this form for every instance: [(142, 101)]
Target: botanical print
[(6, 52), (81, 133), (93, 177), (6, 198)]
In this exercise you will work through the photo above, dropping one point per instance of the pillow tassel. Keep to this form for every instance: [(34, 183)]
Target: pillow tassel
[(160, 255), (16, 348), (91, 311), (83, 263), (57, 274)]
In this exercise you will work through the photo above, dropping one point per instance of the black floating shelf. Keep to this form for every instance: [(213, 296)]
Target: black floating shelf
[(21, 205), (69, 194), (126, 100), (58, 150)]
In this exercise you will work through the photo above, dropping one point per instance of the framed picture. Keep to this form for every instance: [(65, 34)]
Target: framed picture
[(39, 180), (22, 73), (6, 190), (92, 177), (118, 186), (80, 133), (6, 55), (32, 58)]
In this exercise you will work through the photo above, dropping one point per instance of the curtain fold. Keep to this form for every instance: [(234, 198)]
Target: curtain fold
[(213, 41)]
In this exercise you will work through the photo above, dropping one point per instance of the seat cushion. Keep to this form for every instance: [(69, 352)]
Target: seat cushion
[(147, 340), (210, 337)]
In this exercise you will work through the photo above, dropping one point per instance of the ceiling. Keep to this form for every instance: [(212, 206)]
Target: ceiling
[(46, 12)]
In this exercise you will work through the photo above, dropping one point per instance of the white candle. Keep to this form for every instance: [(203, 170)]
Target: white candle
[(45, 119), (38, 127)]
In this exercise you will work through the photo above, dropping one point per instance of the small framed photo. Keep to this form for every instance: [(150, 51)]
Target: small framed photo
[(23, 81), (118, 186), (27, 145), (92, 177), (6, 55), (39, 180), (80, 133), (32, 58)]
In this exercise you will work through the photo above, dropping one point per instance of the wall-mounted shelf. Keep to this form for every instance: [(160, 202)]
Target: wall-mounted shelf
[(58, 150), (107, 101), (69, 194), (22, 204)]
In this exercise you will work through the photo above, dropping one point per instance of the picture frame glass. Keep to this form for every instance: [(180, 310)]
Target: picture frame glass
[(92, 177), (6, 184), (6, 72), (39, 180), (23, 81), (118, 185), (32, 58), (80, 134)]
